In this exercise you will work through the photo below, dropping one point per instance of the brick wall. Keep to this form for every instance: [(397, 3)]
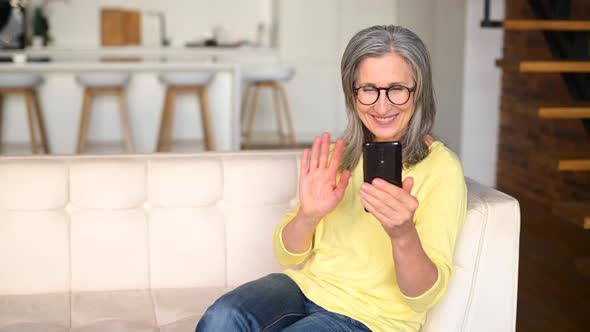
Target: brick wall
[(527, 144)]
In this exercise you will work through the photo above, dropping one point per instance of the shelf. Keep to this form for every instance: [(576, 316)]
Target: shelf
[(546, 25), (575, 165), (545, 66), (576, 212), (564, 112), (570, 160)]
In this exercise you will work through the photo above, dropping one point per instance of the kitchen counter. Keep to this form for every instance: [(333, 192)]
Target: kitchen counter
[(212, 54), (61, 99), (129, 65)]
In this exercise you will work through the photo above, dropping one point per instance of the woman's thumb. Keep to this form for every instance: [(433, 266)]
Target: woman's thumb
[(408, 184)]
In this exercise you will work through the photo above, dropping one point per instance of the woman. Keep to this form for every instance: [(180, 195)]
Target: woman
[(381, 270)]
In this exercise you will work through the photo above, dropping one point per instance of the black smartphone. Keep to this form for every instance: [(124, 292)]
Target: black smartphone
[(383, 160)]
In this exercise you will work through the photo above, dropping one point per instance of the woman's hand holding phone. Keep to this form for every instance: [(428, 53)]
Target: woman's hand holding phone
[(393, 206), (320, 191)]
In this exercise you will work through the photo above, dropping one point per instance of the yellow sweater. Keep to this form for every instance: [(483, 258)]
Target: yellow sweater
[(350, 269)]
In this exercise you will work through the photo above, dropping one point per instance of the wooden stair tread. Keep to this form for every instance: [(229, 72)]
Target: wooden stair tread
[(583, 266), (569, 160), (574, 164), (564, 112), (531, 107), (576, 212), (546, 25), (574, 161), (544, 66)]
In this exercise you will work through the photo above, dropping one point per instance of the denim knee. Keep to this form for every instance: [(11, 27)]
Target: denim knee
[(254, 304), (225, 314)]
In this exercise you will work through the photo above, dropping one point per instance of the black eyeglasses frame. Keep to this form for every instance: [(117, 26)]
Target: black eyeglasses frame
[(410, 90)]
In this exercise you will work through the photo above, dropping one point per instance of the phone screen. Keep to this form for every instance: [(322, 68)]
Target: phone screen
[(383, 160)]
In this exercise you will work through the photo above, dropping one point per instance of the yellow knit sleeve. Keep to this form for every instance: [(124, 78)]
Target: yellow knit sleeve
[(432, 296), (284, 256), (439, 219)]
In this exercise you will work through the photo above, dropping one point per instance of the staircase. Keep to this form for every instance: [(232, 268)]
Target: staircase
[(568, 41), (544, 154)]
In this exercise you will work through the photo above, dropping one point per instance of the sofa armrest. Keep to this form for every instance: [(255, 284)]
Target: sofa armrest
[(482, 293)]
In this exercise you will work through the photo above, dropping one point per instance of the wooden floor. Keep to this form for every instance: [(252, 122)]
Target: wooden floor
[(552, 295)]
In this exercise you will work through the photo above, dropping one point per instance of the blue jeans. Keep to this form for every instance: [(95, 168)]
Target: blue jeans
[(272, 303)]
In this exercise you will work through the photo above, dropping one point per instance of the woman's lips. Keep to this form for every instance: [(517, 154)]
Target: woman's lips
[(384, 120)]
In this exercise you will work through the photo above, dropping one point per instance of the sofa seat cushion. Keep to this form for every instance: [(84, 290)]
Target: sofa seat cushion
[(33, 327), (175, 305), (170, 310), (115, 325), (38, 312)]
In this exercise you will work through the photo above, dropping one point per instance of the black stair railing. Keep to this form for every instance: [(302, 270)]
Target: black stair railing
[(487, 22)]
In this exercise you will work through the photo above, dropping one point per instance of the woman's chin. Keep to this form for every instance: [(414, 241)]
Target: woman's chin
[(385, 137)]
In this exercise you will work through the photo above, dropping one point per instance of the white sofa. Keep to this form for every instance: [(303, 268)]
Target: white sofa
[(147, 242)]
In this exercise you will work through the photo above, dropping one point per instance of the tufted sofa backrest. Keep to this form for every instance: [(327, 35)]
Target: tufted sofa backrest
[(109, 223)]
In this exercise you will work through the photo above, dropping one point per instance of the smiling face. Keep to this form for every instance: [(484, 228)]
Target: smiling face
[(387, 122)]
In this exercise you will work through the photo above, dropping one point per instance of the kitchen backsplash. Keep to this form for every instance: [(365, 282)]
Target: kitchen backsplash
[(186, 21)]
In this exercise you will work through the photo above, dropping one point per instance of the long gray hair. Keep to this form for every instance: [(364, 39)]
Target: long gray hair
[(377, 41)]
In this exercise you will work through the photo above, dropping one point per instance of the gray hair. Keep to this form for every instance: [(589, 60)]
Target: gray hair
[(377, 41)]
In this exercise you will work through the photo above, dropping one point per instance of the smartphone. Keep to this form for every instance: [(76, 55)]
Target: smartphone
[(383, 160)]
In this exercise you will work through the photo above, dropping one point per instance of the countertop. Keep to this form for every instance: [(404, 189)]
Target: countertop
[(59, 59), (74, 66), (141, 51)]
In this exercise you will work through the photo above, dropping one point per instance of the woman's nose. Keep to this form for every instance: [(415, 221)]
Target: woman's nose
[(383, 105)]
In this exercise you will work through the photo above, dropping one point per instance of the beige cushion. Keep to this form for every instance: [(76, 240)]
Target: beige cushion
[(186, 79), (106, 79), (178, 305), (176, 309), (38, 312), (33, 327), (267, 73), (19, 80)]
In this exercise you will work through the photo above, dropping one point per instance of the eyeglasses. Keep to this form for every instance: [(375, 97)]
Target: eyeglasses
[(396, 94)]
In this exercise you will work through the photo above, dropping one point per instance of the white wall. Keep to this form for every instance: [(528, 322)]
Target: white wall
[(77, 22), (467, 83), (313, 35), (481, 93), (447, 63), (440, 26)]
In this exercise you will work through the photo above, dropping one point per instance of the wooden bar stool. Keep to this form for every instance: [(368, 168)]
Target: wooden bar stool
[(267, 77), (24, 84), (100, 84), (184, 83)]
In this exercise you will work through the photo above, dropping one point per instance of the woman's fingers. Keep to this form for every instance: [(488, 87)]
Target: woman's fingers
[(379, 200), (401, 194), (390, 194), (342, 183), (305, 162), (315, 153), (408, 184), (376, 193), (373, 206), (337, 155), (324, 150)]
